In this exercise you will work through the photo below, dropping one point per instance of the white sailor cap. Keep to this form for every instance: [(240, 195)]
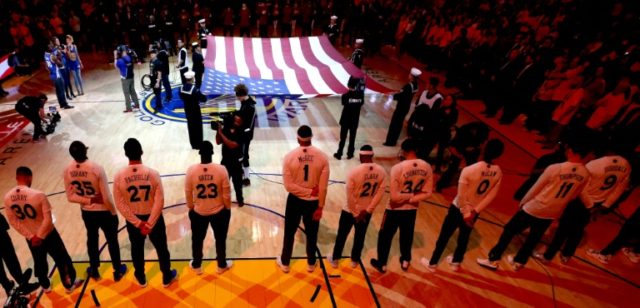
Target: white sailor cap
[(201, 21), (334, 17), (359, 41), (415, 72), (195, 44), (189, 75)]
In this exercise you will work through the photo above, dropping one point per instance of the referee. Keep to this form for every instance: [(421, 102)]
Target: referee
[(411, 182), (208, 196), (138, 194), (306, 177)]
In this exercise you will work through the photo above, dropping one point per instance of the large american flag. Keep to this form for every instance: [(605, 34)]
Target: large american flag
[(299, 65)]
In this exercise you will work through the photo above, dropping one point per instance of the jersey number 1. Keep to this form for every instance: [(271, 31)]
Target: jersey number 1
[(564, 190)]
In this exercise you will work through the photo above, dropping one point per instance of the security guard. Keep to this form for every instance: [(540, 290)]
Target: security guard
[(191, 97), (404, 99), (358, 54), (183, 65), (198, 63), (352, 101), (203, 32), (333, 30)]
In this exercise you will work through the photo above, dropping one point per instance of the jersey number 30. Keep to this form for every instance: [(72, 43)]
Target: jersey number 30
[(24, 212)]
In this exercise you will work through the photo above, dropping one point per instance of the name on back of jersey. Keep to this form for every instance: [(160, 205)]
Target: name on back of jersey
[(205, 177), (571, 176), (414, 172), (615, 168), (78, 174), (489, 173), (18, 197), (136, 177), (370, 176), (305, 158)]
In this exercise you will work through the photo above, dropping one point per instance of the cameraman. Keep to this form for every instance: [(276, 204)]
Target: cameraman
[(32, 108), (124, 63), (231, 135), (248, 113)]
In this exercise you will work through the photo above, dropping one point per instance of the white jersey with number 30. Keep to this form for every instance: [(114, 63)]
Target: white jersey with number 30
[(28, 211)]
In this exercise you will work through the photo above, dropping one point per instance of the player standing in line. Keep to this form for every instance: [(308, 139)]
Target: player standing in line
[(138, 193), (365, 188), (477, 187), (86, 183), (29, 212), (609, 179), (545, 201), (208, 196), (411, 182), (306, 178)]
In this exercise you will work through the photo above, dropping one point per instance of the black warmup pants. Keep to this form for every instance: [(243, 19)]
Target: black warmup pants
[(395, 127), (53, 246), (94, 221), (296, 210), (8, 256), (220, 224), (37, 125), (570, 230), (234, 168), (454, 220), (347, 221), (157, 92), (183, 70), (167, 87), (518, 223), (405, 220), (158, 237), (245, 152), (351, 130), (629, 233)]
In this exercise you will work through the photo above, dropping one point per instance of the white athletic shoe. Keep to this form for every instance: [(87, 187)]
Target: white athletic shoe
[(540, 256), (332, 262), (432, 268), (598, 256), (311, 268), (632, 256), (285, 268), (492, 265), (224, 269), (75, 284), (197, 270), (455, 266), (516, 266), (353, 264)]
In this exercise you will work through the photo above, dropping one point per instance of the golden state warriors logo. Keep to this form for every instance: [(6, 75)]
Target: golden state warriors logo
[(275, 108)]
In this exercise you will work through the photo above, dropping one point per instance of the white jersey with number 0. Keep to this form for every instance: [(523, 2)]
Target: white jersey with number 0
[(478, 186)]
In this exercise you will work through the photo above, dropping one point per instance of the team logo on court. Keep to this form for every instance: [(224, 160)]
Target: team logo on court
[(275, 108)]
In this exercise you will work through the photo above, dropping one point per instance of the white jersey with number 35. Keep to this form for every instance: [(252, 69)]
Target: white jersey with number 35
[(85, 180)]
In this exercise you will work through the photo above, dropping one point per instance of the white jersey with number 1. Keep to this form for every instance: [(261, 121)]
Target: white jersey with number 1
[(305, 168)]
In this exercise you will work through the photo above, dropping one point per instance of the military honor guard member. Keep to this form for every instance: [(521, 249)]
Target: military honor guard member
[(203, 32), (29, 212), (191, 97), (357, 57), (86, 184), (352, 102), (332, 30), (403, 98), (197, 65), (365, 188), (411, 183), (208, 196), (138, 194), (557, 186), (477, 187), (306, 177)]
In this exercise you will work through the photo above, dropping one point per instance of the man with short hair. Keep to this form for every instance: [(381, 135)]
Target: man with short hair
[(29, 212), (155, 65), (352, 102), (411, 183), (183, 62), (191, 98), (545, 201), (248, 113), (477, 187), (365, 188), (208, 196), (32, 108), (306, 177), (86, 184), (139, 196), (231, 135), (163, 57), (124, 63)]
